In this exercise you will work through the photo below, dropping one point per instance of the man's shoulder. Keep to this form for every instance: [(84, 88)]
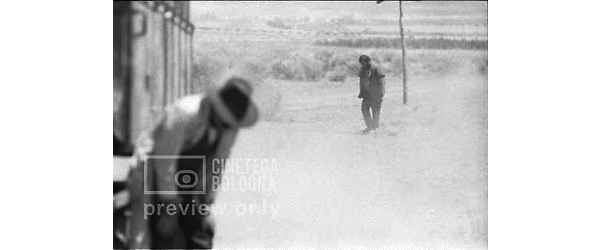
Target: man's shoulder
[(376, 67), (185, 113), (184, 110), (189, 104), (377, 70)]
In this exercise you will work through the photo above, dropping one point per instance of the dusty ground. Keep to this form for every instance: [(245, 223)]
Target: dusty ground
[(421, 183)]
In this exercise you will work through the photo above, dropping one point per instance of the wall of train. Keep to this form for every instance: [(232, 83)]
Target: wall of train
[(152, 62)]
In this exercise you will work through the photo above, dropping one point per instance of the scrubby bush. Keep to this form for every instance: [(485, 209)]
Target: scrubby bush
[(388, 60), (253, 68), (281, 69), (345, 62), (483, 65), (206, 70), (325, 57), (411, 42), (297, 67), (437, 64), (278, 23), (337, 75), (308, 68), (353, 69)]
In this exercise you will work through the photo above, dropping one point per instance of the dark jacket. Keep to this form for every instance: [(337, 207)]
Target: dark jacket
[(372, 84)]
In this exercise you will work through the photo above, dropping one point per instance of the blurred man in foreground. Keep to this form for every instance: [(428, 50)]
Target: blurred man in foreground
[(171, 180)]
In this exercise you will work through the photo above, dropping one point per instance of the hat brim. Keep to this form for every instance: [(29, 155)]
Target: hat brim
[(249, 118)]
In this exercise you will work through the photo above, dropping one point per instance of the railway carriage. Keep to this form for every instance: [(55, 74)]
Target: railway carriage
[(152, 67), (152, 62)]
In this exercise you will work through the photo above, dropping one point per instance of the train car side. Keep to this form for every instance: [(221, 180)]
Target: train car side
[(152, 62)]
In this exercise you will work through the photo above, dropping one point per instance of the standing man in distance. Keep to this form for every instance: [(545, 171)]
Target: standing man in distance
[(372, 89)]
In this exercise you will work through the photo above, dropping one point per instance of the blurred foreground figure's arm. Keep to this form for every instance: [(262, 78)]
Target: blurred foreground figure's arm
[(165, 138), (199, 125)]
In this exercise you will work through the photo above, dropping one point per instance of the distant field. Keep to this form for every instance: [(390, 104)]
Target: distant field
[(359, 9), (414, 28), (314, 41), (478, 26), (295, 60), (311, 23)]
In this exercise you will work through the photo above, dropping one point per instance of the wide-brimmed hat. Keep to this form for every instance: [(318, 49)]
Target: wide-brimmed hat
[(233, 103)]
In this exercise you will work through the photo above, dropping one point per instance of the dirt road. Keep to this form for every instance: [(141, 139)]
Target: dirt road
[(420, 183)]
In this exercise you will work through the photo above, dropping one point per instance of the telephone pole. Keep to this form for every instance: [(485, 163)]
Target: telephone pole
[(402, 47), (404, 94)]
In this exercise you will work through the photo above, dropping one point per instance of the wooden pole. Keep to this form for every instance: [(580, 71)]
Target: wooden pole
[(404, 94)]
